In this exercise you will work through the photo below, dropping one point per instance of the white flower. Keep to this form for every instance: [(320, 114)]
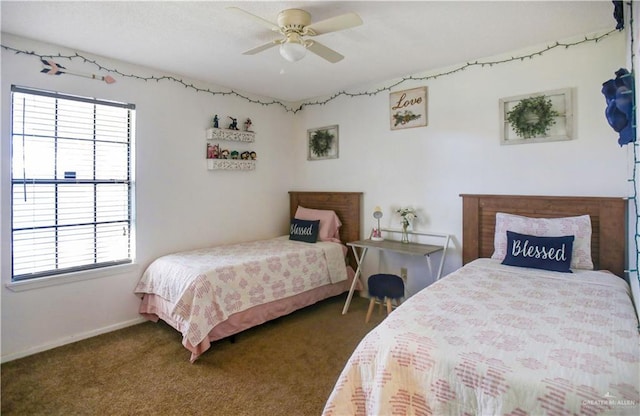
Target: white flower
[(407, 215)]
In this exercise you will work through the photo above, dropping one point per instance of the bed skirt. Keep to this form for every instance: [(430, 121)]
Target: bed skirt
[(154, 307)]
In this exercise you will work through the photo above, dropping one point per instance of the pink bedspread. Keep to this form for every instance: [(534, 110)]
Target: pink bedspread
[(203, 288), (499, 340)]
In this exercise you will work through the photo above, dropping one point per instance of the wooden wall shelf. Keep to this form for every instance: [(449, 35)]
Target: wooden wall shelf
[(231, 135), (230, 164)]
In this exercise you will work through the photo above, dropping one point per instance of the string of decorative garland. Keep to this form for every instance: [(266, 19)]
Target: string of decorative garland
[(636, 161), (594, 39), (320, 142), (532, 117), (294, 110)]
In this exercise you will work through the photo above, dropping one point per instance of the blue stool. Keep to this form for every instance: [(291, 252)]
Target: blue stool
[(384, 287)]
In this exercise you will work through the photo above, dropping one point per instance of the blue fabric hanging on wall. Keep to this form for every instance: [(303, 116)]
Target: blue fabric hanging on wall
[(620, 112), (618, 14)]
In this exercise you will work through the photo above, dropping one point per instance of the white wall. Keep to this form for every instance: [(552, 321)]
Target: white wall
[(460, 151), (180, 205)]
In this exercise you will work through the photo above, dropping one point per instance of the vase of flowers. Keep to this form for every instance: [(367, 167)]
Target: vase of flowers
[(407, 215), (405, 234)]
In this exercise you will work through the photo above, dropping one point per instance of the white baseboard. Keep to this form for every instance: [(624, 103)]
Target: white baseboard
[(69, 340)]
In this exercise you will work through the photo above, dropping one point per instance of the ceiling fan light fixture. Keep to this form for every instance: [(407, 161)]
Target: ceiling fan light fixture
[(295, 25), (292, 51)]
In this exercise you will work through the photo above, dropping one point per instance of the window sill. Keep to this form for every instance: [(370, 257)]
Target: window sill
[(62, 279)]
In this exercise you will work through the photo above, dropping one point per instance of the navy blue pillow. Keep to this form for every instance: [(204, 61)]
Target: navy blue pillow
[(304, 230), (548, 253)]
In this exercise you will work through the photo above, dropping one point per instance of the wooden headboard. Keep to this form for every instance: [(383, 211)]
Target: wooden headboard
[(346, 204), (608, 223)]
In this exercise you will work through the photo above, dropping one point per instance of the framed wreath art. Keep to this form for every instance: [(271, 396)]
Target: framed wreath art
[(532, 117), (540, 117), (323, 143)]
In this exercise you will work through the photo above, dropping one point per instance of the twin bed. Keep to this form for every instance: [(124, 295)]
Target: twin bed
[(213, 293), (487, 339), (494, 339)]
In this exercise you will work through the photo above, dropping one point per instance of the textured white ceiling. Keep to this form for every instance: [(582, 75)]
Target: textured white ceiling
[(204, 41)]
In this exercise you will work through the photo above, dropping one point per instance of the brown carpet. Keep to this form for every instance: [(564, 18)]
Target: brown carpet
[(285, 367)]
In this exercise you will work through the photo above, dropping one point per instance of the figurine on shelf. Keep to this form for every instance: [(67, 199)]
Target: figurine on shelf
[(213, 151), (215, 121), (245, 156), (234, 123), (235, 154), (247, 125), (224, 154), (254, 156)]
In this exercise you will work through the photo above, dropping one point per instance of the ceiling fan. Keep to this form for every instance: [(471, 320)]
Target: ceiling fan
[(295, 25)]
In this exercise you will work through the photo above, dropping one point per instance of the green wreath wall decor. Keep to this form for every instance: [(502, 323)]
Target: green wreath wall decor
[(321, 142), (532, 117)]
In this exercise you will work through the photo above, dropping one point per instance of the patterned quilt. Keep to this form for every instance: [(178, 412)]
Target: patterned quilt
[(207, 286), (500, 340)]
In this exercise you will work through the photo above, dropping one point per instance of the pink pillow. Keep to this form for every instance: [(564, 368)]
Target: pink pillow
[(329, 222), (580, 227)]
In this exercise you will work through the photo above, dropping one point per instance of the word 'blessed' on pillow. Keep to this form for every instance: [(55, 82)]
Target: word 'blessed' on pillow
[(304, 230), (329, 222), (547, 253)]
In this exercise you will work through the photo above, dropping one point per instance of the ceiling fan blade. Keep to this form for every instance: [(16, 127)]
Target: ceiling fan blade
[(324, 52), (262, 47), (264, 22), (334, 24)]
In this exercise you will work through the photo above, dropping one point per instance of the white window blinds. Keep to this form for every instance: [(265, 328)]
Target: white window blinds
[(71, 183)]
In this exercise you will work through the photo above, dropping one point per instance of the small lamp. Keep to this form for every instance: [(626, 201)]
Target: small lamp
[(377, 232)]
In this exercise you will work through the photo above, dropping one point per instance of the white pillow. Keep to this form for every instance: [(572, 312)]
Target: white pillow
[(580, 227)]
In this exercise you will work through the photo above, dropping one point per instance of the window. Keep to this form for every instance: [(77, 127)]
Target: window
[(71, 183)]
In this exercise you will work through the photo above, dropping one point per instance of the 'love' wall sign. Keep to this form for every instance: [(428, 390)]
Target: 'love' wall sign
[(408, 108)]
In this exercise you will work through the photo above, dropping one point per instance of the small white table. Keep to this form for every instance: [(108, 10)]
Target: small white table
[(398, 247)]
